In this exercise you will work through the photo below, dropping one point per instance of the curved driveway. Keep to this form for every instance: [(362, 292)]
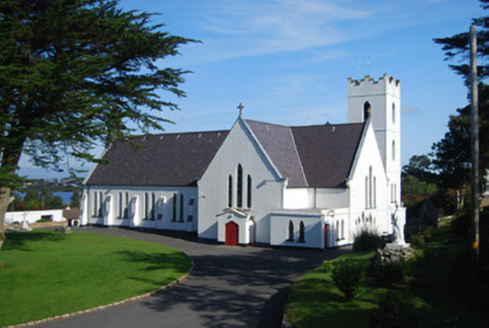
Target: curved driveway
[(229, 287)]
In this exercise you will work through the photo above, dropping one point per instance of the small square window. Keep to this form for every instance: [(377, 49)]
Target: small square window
[(191, 201), (190, 218), (160, 217)]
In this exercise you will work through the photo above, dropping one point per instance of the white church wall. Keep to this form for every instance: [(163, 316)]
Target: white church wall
[(369, 188), (267, 188), (298, 198), (286, 229), (332, 198), (304, 198), (144, 207)]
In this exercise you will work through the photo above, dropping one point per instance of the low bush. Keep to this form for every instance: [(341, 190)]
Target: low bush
[(348, 277), (395, 311), (417, 235), (367, 241), (388, 273), (327, 266)]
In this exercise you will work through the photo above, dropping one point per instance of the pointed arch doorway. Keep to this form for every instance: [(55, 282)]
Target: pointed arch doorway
[(232, 234)]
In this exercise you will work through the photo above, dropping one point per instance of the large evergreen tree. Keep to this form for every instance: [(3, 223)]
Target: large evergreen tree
[(457, 47), (74, 74), (451, 155)]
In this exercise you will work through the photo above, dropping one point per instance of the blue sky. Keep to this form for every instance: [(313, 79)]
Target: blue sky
[(288, 61)]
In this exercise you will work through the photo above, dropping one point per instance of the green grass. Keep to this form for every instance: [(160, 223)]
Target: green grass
[(314, 301), (442, 288), (47, 273)]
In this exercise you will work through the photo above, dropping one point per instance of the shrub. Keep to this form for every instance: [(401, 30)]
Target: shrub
[(367, 241), (387, 273), (327, 266), (348, 277), (416, 235), (395, 311)]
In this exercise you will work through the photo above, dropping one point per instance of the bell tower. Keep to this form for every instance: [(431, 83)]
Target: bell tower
[(380, 102)]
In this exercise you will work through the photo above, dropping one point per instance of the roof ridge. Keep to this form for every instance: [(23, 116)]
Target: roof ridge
[(274, 124), (304, 126), (325, 125), (298, 156), (174, 133)]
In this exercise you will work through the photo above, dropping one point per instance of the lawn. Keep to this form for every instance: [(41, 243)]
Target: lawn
[(440, 287), (314, 301), (46, 273)]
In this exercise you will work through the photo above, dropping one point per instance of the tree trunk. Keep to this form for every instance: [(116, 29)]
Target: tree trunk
[(459, 199), (11, 157), (5, 200)]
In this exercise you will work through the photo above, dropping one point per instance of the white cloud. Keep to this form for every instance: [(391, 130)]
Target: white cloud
[(249, 28)]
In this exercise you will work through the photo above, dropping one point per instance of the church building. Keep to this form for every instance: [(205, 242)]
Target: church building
[(261, 183)]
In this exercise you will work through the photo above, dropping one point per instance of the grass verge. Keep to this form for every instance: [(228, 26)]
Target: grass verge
[(314, 301), (442, 288), (45, 273)]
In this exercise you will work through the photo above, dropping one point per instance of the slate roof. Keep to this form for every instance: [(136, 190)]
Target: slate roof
[(174, 159), (278, 143), (313, 156), (308, 156), (327, 152)]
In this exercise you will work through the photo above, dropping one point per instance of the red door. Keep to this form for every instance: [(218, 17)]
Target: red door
[(232, 233), (326, 236)]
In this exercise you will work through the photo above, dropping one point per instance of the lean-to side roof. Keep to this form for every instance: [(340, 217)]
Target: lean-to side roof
[(173, 159)]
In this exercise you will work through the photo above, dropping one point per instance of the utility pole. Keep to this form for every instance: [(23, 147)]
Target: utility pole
[(474, 124)]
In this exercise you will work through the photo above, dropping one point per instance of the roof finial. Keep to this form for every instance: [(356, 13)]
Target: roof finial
[(240, 107)]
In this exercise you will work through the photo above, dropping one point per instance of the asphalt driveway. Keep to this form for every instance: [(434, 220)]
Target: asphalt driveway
[(229, 287)]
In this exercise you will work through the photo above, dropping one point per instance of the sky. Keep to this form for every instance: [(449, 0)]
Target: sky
[(288, 62)]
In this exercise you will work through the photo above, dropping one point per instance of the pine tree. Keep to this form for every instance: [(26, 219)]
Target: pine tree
[(457, 47), (74, 74)]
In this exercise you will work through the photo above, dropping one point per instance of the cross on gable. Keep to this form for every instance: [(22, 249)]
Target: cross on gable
[(240, 107)]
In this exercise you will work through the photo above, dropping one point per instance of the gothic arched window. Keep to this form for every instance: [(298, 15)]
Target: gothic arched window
[(291, 231), (100, 203), (181, 207), (146, 206), (302, 232), (119, 214), (250, 190), (230, 191), (126, 206), (367, 110), (239, 187), (174, 214), (153, 204)]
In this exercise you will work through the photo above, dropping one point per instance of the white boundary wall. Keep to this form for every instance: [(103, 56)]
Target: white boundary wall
[(33, 216)]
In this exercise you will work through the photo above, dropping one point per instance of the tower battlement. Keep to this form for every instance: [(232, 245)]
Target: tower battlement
[(367, 80)]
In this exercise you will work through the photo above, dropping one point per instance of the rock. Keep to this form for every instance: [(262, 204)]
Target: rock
[(390, 254)]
